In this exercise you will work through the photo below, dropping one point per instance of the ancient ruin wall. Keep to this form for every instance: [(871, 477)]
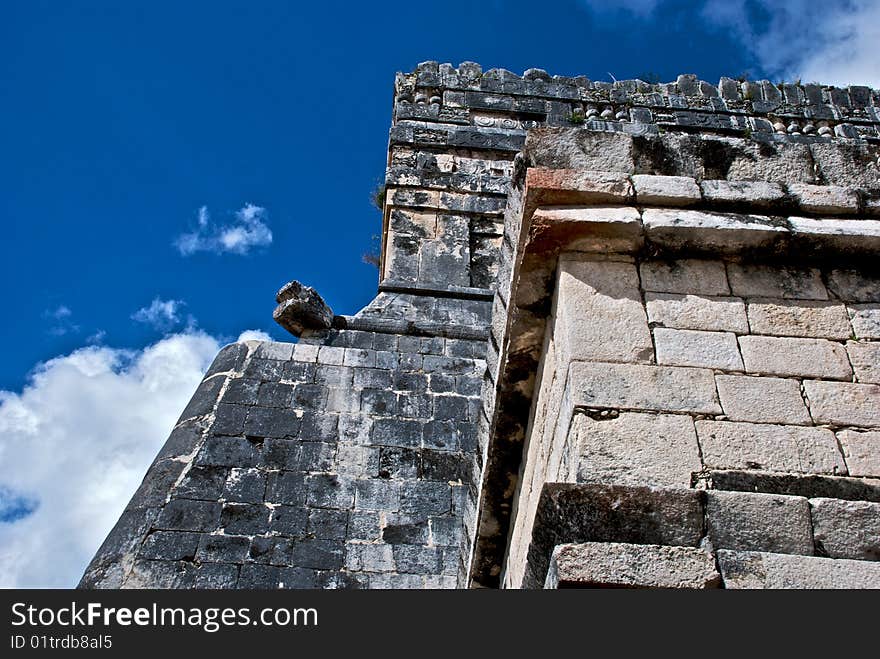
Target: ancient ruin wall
[(355, 458)]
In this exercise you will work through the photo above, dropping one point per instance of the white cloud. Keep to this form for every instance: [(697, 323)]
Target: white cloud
[(249, 230), (162, 315), (75, 444), (62, 324), (254, 335), (833, 42), (97, 338)]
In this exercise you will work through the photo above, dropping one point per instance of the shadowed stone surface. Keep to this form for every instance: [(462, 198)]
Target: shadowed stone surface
[(616, 565)]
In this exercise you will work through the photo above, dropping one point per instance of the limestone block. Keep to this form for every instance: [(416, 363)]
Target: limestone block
[(865, 359), (854, 286), (843, 164), (844, 403), (401, 257), (421, 224), (599, 312), (824, 199), (759, 522), (800, 318), (849, 236), (636, 387), (695, 348), (618, 564), (687, 276), (590, 228), (274, 350), (761, 194), (818, 358), (583, 185), (730, 445), (697, 312), (744, 569), (847, 529), (636, 449), (751, 280), (861, 450), (581, 150), (762, 400), (721, 233), (865, 319), (665, 190)]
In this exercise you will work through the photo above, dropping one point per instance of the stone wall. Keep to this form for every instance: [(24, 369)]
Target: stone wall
[(704, 348), (689, 367), (384, 448)]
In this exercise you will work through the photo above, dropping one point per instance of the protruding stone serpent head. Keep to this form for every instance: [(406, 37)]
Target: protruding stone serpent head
[(300, 308)]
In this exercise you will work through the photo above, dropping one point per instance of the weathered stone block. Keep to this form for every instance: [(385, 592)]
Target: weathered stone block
[(245, 485), (695, 348), (636, 387), (865, 360), (214, 576), (329, 491), (636, 449), (761, 194), (686, 276), (844, 403), (422, 499), (719, 233), (729, 445), (223, 549), (759, 522), (228, 451), (331, 355), (584, 185), (801, 318), (160, 574), (610, 513), (854, 286), (274, 350), (396, 432), (817, 358), (846, 529), (824, 199), (606, 292), (838, 235), (697, 312), (186, 515), (614, 564), (170, 545), (762, 400), (654, 190), (764, 570), (376, 494), (865, 320), (801, 485), (229, 419), (369, 557), (861, 450), (243, 391), (590, 229), (286, 487), (751, 280)]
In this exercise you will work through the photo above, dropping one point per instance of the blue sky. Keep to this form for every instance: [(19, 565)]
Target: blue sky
[(168, 166)]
